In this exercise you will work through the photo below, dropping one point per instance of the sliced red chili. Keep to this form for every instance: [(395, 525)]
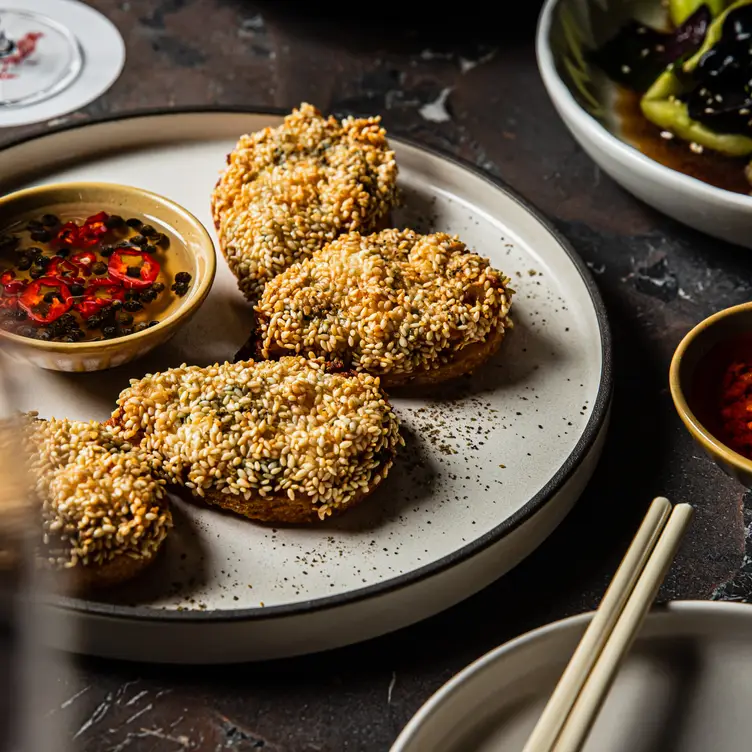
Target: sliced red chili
[(99, 294), (11, 285), (68, 234), (46, 299), (15, 287), (93, 229), (134, 268), (64, 270), (84, 261)]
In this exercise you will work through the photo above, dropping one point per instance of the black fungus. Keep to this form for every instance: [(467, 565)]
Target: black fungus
[(638, 54), (721, 97)]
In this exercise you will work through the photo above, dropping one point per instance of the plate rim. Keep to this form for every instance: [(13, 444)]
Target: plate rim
[(668, 610), (596, 422)]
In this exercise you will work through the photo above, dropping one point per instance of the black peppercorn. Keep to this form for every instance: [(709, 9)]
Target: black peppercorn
[(50, 220), (125, 319), (133, 271), (140, 326), (183, 278), (148, 296), (139, 240), (162, 241), (8, 242), (149, 231), (41, 236), (132, 306), (36, 272), (134, 223), (153, 323), (99, 268), (157, 287), (107, 250), (42, 261), (24, 262), (125, 331), (114, 221), (93, 322), (109, 331), (34, 252), (150, 248), (34, 225), (44, 335), (116, 305), (76, 289)]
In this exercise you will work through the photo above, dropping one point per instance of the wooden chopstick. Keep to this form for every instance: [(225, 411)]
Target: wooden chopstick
[(572, 682), (592, 695)]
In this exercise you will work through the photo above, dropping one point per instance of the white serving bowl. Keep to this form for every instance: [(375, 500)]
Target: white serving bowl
[(583, 98)]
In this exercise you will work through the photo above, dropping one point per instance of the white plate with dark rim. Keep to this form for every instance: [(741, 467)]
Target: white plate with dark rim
[(492, 463), (684, 687)]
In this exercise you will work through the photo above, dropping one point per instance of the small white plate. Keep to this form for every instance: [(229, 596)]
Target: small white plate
[(492, 463), (684, 687)]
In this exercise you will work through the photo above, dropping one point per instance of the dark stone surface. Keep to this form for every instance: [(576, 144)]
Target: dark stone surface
[(470, 87)]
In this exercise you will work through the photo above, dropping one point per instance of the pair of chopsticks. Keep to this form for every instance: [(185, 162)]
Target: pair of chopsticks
[(574, 705)]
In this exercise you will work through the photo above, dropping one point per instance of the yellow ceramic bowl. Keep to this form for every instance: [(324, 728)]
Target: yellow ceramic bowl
[(191, 249), (697, 369)]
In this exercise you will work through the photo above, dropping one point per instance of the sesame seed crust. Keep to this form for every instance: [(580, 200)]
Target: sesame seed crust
[(289, 190), (397, 304), (100, 502), (285, 440)]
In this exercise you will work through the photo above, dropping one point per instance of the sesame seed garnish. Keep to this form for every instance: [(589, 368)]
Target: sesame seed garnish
[(289, 190), (395, 302), (97, 493), (287, 429)]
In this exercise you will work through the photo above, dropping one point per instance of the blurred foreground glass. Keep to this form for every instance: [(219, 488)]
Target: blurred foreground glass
[(32, 677), (38, 58)]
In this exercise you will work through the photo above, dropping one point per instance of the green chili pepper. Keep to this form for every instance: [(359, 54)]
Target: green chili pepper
[(681, 10), (662, 106)]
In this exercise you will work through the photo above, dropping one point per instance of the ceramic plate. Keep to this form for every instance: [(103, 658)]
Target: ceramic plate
[(684, 687), (491, 466)]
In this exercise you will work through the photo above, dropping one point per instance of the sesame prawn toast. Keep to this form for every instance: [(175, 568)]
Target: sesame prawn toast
[(287, 191), (104, 515), (283, 441), (403, 306)]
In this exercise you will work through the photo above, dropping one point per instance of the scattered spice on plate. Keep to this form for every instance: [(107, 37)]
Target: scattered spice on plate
[(69, 281)]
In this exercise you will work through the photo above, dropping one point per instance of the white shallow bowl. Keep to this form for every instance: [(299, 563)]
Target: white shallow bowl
[(684, 687), (582, 96)]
